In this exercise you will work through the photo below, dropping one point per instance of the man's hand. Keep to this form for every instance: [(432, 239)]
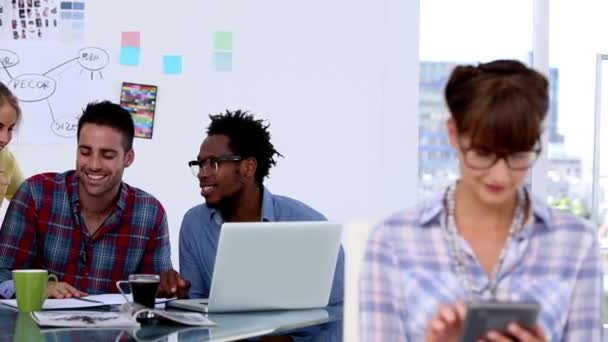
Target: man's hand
[(518, 333), (63, 290), (172, 285), (447, 324)]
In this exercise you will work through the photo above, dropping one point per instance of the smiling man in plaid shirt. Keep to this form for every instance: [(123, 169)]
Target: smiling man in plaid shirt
[(86, 226)]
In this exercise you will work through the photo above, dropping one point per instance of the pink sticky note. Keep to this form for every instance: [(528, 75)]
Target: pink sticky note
[(130, 39)]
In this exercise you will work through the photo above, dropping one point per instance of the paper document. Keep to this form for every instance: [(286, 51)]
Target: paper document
[(118, 299), (57, 304), (85, 302)]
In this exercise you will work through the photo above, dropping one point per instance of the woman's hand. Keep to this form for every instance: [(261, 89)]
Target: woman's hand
[(447, 324), (518, 333), (63, 290), (3, 180)]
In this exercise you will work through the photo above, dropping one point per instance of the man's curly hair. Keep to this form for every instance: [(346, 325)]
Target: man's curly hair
[(249, 137)]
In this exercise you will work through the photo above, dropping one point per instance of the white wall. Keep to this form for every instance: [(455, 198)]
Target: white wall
[(336, 79)]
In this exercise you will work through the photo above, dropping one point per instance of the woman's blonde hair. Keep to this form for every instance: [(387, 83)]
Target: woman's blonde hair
[(7, 97)]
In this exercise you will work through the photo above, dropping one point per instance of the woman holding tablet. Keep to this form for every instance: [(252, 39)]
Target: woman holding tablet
[(486, 237), (10, 114)]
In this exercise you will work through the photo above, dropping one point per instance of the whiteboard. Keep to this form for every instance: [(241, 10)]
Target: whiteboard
[(336, 80), (54, 82)]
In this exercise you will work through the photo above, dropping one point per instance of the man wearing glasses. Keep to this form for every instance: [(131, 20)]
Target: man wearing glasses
[(86, 226), (231, 166)]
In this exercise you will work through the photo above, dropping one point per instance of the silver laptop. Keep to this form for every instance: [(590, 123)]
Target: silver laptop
[(271, 266)]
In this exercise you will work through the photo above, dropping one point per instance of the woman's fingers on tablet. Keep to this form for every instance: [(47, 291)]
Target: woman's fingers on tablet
[(517, 332), (447, 314), (438, 325), (461, 310), (540, 333), (495, 336), (447, 323), (526, 335)]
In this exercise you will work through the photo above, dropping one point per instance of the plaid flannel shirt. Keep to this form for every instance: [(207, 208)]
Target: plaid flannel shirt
[(408, 271), (43, 228)]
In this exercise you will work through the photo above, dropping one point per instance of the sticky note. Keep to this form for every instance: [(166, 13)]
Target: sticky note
[(78, 6), (172, 65), (65, 15), (222, 40), (131, 39), (78, 25), (66, 5), (78, 15), (222, 61), (77, 36), (129, 56)]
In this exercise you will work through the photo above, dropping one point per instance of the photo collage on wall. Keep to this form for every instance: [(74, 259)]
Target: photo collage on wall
[(140, 101), (29, 19)]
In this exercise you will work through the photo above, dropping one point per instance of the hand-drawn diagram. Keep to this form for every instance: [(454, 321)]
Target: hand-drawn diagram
[(33, 87)]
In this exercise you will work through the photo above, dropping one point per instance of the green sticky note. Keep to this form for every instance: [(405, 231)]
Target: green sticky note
[(222, 41)]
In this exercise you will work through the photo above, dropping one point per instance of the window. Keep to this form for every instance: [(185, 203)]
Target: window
[(451, 33), (577, 34)]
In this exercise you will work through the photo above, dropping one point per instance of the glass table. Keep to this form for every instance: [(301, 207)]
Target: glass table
[(16, 326)]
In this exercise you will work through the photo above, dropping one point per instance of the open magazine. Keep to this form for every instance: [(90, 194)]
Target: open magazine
[(125, 317)]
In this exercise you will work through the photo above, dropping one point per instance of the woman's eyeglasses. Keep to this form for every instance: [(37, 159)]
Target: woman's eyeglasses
[(480, 159)]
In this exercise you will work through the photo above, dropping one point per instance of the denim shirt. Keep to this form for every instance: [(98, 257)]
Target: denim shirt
[(199, 237)]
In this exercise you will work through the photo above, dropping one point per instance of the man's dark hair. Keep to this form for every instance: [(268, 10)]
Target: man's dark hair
[(249, 137), (106, 113)]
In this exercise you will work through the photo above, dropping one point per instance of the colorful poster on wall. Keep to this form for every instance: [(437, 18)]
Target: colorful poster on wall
[(140, 101), (31, 19)]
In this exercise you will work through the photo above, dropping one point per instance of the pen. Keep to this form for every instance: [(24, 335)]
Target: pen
[(89, 300)]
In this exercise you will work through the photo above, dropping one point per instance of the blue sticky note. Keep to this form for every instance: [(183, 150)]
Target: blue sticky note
[(129, 55), (65, 15), (66, 5), (222, 61), (172, 65), (78, 25), (78, 6), (78, 15)]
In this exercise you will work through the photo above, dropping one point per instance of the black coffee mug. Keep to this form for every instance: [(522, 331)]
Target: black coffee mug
[(143, 287)]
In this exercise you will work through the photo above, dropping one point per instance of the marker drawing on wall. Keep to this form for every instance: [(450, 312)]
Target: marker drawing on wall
[(54, 90)]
